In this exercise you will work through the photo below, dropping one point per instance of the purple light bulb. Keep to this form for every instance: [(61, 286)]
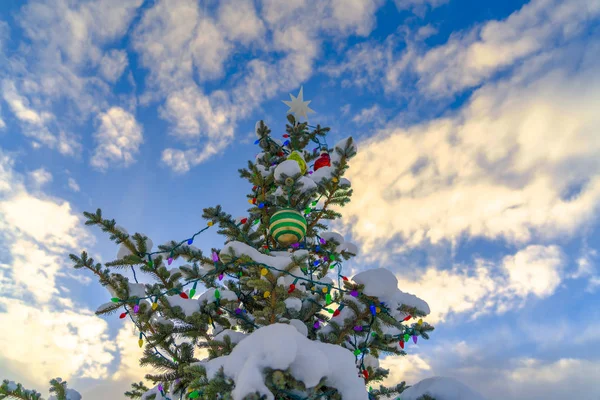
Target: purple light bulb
[(317, 325), (323, 241), (215, 257), (136, 309), (415, 339)]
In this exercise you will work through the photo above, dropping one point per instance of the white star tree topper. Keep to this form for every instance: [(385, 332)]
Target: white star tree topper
[(298, 106)]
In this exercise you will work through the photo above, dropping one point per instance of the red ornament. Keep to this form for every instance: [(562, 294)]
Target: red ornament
[(365, 374), (254, 187), (402, 343), (336, 312), (123, 315), (407, 318), (344, 278), (280, 154), (292, 287), (244, 220), (183, 295), (323, 161), (219, 312), (254, 200), (286, 136)]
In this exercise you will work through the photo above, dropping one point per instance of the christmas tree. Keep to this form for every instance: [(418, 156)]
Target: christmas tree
[(277, 318)]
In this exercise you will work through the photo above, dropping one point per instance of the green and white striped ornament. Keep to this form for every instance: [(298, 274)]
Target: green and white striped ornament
[(287, 226)]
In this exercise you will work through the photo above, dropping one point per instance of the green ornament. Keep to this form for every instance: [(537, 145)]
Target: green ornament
[(115, 300), (296, 156), (217, 294), (328, 298), (194, 394), (356, 352), (406, 337), (287, 226)]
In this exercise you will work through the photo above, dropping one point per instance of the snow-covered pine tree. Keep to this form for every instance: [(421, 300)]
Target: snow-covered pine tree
[(278, 319)]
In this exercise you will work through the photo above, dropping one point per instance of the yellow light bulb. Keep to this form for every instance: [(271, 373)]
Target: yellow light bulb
[(334, 179), (378, 309), (154, 306), (267, 294), (263, 271), (210, 223), (420, 322), (324, 290), (141, 342)]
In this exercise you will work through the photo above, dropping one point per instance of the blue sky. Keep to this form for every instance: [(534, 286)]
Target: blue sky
[(477, 180)]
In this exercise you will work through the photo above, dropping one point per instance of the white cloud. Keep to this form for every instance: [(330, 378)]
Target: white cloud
[(119, 137), (180, 45), (240, 21), (130, 353), (533, 271), (73, 185), (497, 168), (469, 57), (373, 114), (66, 339), (67, 342), (56, 68), (409, 368), (77, 31), (20, 106), (40, 176), (113, 64)]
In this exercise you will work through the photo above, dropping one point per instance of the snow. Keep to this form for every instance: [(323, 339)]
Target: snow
[(300, 326), (293, 303), (188, 306), (322, 173), (307, 184), (123, 251), (135, 290), (278, 260), (382, 283), (209, 296), (104, 307), (155, 391), (71, 395), (160, 320), (441, 388), (256, 126), (121, 229), (235, 336), (264, 171), (281, 346), (288, 167), (344, 183), (350, 247), (341, 145), (329, 236)]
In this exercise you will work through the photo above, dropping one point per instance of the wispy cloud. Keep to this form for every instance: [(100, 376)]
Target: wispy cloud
[(73, 185), (469, 57), (498, 168), (118, 138), (40, 177), (177, 41)]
